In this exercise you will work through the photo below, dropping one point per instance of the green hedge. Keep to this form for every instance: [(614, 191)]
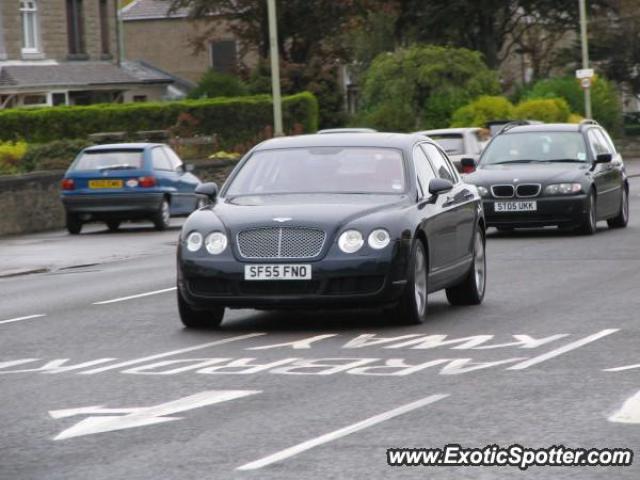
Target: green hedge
[(236, 120)]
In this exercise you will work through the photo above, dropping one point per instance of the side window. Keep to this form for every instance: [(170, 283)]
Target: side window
[(173, 158), (424, 171), (612, 147), (597, 142), (440, 163), (160, 160)]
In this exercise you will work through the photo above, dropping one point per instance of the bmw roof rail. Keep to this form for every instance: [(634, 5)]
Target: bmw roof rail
[(515, 123)]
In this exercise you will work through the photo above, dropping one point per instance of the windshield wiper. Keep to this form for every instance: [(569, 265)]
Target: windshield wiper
[(566, 160), (118, 167), (516, 161)]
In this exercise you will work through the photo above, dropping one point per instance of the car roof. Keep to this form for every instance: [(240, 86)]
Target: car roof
[(394, 140), (346, 130), (444, 131), (544, 127), (122, 146)]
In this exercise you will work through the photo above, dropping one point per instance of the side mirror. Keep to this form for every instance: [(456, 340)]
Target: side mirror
[(209, 190), (438, 186), (604, 158), (468, 165), (189, 167)]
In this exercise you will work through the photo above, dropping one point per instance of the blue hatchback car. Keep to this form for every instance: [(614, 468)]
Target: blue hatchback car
[(127, 181)]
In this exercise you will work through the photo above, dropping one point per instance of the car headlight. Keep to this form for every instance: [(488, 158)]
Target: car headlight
[(563, 189), (378, 239), (194, 241), (351, 241), (216, 243), (482, 191)]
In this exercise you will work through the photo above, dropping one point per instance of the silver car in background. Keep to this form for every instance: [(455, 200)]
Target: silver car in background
[(460, 143)]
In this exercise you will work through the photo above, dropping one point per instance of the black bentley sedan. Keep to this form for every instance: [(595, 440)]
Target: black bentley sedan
[(334, 220), (565, 175)]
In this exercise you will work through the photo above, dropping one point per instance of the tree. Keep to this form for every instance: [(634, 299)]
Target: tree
[(214, 84), (421, 86)]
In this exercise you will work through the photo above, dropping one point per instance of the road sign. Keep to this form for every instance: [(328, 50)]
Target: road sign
[(584, 73), (585, 83)]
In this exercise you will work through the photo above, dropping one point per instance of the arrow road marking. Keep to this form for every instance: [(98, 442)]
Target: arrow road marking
[(139, 417), (630, 411), (343, 432)]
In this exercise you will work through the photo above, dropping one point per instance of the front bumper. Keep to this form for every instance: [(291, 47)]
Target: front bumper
[(125, 205), (556, 210), (346, 282)]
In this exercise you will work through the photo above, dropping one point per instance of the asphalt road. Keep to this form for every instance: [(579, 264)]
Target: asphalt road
[(552, 357)]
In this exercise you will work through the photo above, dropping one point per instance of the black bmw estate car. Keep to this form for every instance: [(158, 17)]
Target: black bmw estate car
[(564, 175), (334, 220)]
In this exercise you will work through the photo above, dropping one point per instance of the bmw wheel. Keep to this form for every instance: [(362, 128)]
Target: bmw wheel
[(412, 307), (621, 220), (191, 318), (471, 290), (163, 216), (589, 224)]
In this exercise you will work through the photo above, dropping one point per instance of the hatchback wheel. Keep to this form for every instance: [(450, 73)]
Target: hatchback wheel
[(191, 318), (621, 220), (163, 216), (74, 224), (471, 290), (412, 307)]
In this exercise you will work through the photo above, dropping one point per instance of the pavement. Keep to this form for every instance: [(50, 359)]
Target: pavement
[(99, 380)]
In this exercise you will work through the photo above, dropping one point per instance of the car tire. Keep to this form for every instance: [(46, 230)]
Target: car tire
[(412, 307), (471, 290), (74, 224), (162, 217), (113, 225), (621, 220), (199, 319), (589, 223)]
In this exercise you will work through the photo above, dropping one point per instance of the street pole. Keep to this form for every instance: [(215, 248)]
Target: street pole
[(585, 55), (275, 69), (119, 31)]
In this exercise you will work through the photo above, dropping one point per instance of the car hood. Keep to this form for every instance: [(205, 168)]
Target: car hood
[(319, 210), (528, 173)]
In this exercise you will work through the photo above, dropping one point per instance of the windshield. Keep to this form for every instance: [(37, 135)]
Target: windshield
[(450, 143), (536, 147), (321, 170), (110, 160)]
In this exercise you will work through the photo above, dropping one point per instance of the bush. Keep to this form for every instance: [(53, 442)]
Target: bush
[(214, 84), (482, 110), (11, 154), (604, 98), (420, 87), (234, 120), (548, 110), (56, 155)]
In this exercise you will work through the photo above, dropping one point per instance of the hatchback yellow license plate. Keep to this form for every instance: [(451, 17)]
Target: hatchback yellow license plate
[(105, 183)]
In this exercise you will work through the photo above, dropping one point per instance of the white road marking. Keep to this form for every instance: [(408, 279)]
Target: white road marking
[(29, 317), (630, 411), (343, 432), (171, 353), (139, 417), (622, 369), (139, 295), (559, 351)]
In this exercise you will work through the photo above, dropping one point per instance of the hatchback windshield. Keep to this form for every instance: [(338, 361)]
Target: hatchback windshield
[(110, 160), (530, 147), (321, 170)]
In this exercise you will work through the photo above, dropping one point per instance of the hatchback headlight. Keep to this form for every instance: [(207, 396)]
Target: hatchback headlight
[(216, 243), (351, 241), (194, 241), (378, 239), (563, 189), (483, 191)]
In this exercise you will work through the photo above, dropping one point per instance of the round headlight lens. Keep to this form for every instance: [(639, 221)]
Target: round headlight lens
[(483, 191), (194, 241), (216, 243), (351, 241), (379, 239)]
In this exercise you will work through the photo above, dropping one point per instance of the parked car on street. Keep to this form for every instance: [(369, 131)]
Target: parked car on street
[(459, 143), (566, 175), (128, 181), (343, 220)]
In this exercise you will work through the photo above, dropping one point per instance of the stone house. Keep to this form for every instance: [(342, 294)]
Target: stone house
[(65, 52)]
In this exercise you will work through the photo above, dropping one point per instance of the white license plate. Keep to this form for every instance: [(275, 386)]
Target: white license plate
[(277, 272), (506, 207)]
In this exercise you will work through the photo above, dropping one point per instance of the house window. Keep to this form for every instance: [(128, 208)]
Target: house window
[(75, 27), (104, 27), (29, 17), (224, 56)]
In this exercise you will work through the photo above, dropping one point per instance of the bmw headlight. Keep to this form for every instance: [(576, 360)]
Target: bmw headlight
[(351, 241), (194, 241), (482, 191), (216, 243), (563, 189), (378, 239)]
